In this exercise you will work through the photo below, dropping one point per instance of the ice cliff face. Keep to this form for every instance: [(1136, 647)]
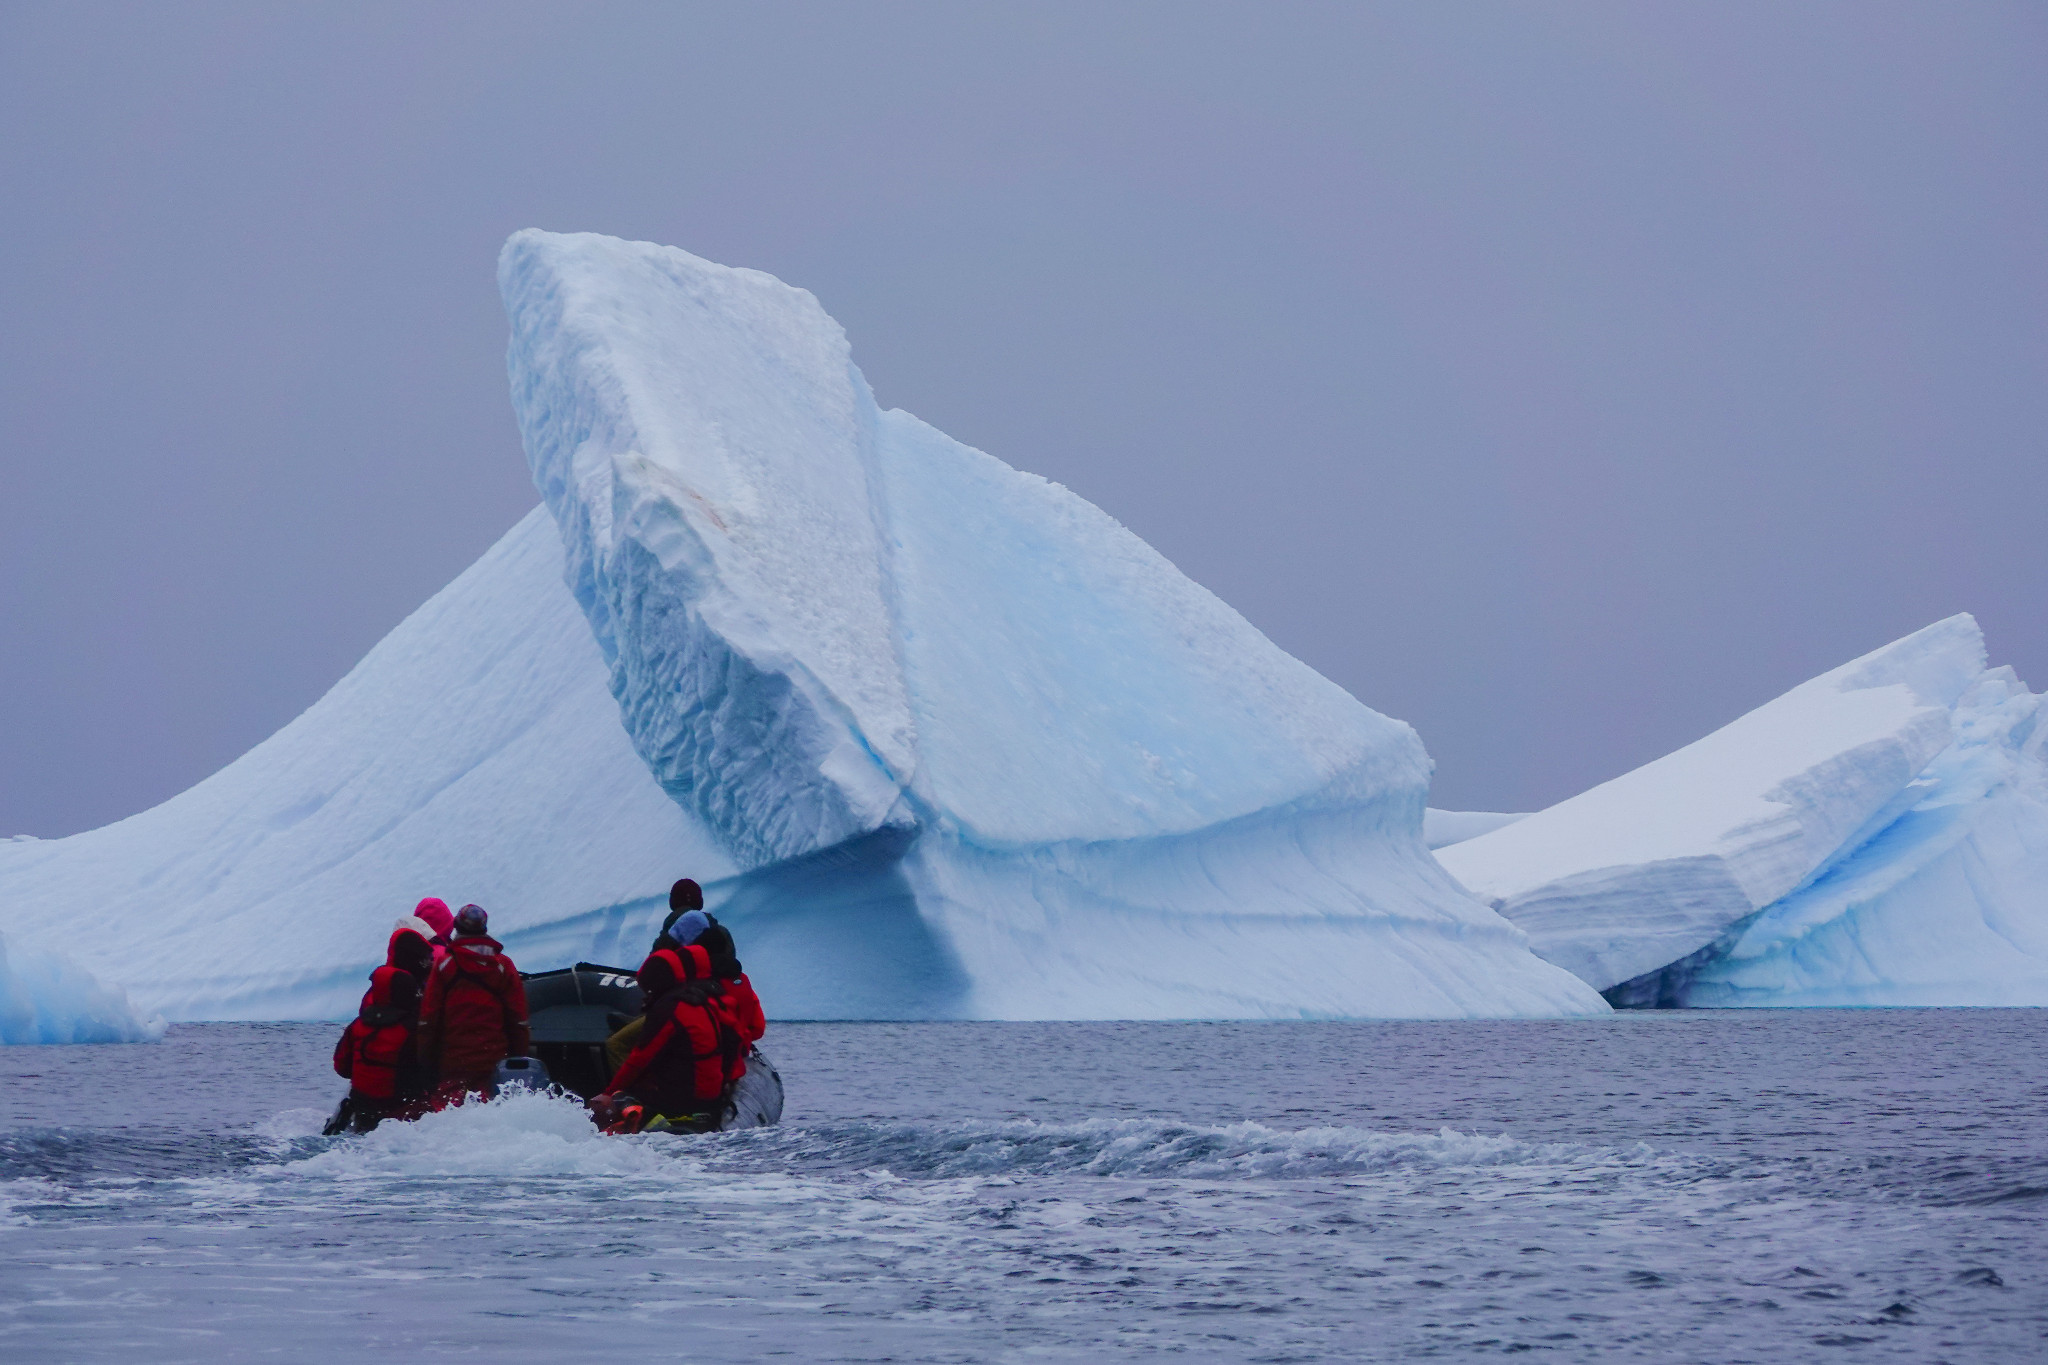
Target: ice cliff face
[(1878, 835), (982, 751)]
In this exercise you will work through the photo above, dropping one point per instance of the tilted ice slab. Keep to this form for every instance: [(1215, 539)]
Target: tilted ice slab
[(1659, 863), (474, 754), (979, 750), (1947, 904)]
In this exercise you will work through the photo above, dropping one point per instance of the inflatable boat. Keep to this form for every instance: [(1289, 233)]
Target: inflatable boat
[(572, 1012)]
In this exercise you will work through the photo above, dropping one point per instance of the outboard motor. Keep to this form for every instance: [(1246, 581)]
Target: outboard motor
[(520, 1073)]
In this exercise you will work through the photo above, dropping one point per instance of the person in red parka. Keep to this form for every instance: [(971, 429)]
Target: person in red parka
[(474, 1014), (688, 1047), (740, 1001), (377, 1053)]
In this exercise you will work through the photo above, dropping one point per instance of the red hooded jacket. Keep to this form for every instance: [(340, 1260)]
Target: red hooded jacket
[(376, 1051), (745, 1009), (690, 1047), (474, 1015)]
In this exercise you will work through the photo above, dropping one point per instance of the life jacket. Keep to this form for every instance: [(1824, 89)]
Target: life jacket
[(474, 1015), (376, 1050), (690, 1048)]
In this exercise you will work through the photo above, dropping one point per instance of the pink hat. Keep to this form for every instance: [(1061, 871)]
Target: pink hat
[(435, 912)]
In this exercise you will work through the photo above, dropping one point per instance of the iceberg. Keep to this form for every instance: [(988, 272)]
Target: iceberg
[(46, 997), (1878, 835), (977, 750), (1945, 905)]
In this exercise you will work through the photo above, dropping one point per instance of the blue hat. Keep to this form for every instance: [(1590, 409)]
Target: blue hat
[(689, 927)]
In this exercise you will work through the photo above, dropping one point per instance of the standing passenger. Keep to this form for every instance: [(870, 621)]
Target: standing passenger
[(474, 1015), (740, 1001), (377, 1052)]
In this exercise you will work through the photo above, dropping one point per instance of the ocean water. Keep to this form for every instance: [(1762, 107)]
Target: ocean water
[(1690, 1186)]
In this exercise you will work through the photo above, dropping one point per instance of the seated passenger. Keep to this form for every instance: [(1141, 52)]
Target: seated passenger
[(680, 1070), (686, 920), (685, 898), (740, 1001), (474, 1015), (376, 1052)]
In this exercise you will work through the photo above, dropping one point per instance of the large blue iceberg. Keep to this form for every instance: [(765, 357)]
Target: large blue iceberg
[(980, 750)]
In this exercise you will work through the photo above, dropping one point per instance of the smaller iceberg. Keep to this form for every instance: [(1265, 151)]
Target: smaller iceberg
[(1946, 905), (46, 997), (1658, 863), (1877, 836)]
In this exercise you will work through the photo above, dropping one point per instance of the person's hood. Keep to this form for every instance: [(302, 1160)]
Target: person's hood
[(477, 952), (391, 986), (412, 928), (435, 912)]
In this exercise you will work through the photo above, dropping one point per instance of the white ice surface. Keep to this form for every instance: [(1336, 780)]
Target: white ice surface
[(46, 997), (1641, 871), (474, 754), (982, 751)]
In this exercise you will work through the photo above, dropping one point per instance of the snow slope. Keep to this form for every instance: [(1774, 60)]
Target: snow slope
[(474, 754), (981, 751), (1656, 864)]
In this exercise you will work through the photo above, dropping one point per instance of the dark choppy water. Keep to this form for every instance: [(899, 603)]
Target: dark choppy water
[(1704, 1187)]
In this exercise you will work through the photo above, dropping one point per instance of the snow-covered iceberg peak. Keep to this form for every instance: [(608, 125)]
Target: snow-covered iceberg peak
[(698, 434), (813, 607), (961, 727), (1656, 864)]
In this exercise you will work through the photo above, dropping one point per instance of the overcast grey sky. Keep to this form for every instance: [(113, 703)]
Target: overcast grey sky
[(1563, 379)]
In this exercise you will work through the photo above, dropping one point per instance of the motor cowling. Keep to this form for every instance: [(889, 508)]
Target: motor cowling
[(520, 1073)]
